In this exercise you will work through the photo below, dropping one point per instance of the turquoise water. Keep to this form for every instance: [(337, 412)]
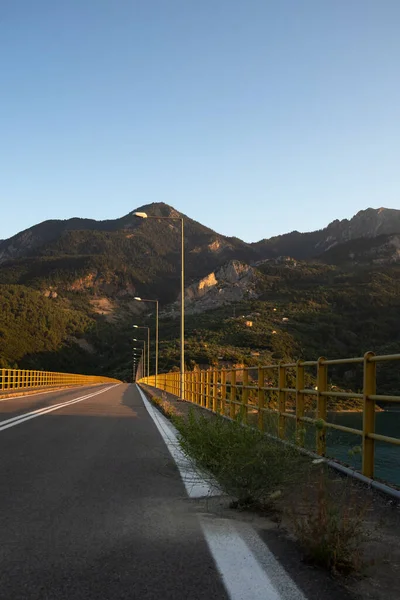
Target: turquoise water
[(387, 456), (343, 446)]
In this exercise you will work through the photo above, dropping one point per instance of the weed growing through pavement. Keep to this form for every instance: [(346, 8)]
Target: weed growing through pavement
[(329, 522)]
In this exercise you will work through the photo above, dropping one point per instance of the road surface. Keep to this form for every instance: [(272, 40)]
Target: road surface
[(93, 506)]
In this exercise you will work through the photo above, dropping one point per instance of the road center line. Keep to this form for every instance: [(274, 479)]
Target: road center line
[(42, 411), (27, 396)]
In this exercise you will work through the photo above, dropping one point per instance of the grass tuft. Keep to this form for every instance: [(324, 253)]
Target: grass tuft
[(331, 528)]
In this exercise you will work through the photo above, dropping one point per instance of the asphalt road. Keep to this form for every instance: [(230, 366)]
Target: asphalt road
[(92, 505)]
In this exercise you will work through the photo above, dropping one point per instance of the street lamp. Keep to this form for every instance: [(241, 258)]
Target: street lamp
[(143, 353), (141, 356), (148, 348), (143, 215), (134, 369), (156, 303)]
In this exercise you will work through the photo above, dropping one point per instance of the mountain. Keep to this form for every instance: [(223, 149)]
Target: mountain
[(383, 249), (117, 256), (204, 247), (67, 292), (369, 223), (56, 235)]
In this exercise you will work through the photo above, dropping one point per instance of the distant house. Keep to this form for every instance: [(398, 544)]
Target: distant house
[(248, 323), (285, 319)]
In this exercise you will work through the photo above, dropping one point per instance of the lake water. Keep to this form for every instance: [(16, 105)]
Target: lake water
[(339, 445), (387, 456)]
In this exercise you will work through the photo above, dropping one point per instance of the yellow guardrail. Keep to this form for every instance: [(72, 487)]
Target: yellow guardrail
[(18, 379), (280, 390)]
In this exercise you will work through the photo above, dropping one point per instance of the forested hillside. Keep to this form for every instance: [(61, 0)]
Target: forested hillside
[(67, 293)]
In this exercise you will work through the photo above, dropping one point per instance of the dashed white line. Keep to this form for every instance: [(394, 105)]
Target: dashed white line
[(28, 396), (248, 568), (242, 575), (42, 411)]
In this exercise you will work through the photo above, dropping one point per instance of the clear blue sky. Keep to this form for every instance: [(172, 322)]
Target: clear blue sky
[(255, 117)]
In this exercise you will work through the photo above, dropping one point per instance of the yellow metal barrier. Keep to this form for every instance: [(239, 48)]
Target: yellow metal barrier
[(279, 391), (17, 379)]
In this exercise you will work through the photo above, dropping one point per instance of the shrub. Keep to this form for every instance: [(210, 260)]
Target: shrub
[(249, 466), (331, 530), (166, 407)]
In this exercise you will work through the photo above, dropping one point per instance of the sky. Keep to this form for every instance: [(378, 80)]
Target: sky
[(254, 117)]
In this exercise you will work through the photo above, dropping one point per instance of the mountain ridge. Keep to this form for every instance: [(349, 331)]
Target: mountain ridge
[(366, 223), (335, 288)]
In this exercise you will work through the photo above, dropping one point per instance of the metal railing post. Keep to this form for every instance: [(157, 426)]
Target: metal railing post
[(261, 396), (369, 389), (189, 386), (208, 388), (195, 387), (202, 388), (245, 395), (223, 392), (299, 403), (214, 391), (232, 406), (322, 386), (282, 401)]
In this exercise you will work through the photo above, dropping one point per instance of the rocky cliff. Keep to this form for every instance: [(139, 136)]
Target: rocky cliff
[(232, 282)]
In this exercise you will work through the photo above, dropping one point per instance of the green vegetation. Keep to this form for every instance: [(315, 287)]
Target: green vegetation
[(331, 529), (326, 515), (331, 312), (304, 309), (249, 466), (31, 324)]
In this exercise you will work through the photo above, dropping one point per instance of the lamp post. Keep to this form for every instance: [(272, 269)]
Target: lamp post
[(134, 370), (156, 303), (143, 215), (141, 364), (143, 354), (148, 348)]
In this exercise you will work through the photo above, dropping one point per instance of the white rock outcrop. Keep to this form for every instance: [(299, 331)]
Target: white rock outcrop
[(230, 283)]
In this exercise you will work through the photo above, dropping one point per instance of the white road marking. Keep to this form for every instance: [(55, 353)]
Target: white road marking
[(42, 411), (245, 576), (27, 396), (248, 568), (195, 484), (47, 408)]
